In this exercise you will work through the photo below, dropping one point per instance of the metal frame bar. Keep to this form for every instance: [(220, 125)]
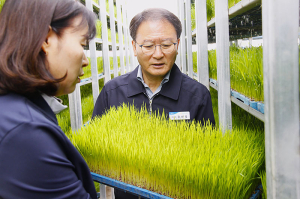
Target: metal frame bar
[(93, 57), (113, 37), (182, 37), (281, 93), (120, 31), (202, 43), (189, 38), (75, 108), (223, 68), (126, 38), (105, 48)]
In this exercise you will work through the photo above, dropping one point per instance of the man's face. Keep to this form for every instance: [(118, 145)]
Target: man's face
[(151, 33)]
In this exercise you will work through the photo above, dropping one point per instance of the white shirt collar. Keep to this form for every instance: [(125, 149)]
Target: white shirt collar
[(54, 103)]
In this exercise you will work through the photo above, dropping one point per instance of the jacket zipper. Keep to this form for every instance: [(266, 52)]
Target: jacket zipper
[(150, 103)]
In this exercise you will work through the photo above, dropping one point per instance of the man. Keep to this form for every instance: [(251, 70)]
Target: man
[(157, 81)]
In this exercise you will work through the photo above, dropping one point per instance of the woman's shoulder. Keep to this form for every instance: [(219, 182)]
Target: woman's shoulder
[(17, 110)]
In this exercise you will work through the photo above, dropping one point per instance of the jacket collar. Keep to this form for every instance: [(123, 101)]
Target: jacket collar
[(40, 102), (170, 89)]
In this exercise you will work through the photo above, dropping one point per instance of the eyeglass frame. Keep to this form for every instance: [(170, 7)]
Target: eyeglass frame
[(141, 45)]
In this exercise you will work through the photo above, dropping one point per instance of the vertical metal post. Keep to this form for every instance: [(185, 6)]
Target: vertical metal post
[(105, 49), (182, 38), (178, 60), (75, 108), (113, 37), (120, 31), (189, 38), (102, 191), (223, 70), (126, 38), (281, 94), (93, 58), (132, 59), (202, 42)]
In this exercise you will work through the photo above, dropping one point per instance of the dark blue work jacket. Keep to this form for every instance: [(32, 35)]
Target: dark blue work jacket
[(37, 160), (180, 94)]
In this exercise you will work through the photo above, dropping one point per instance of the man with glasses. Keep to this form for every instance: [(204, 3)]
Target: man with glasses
[(157, 81)]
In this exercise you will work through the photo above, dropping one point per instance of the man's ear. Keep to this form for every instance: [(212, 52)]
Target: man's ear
[(48, 40), (178, 41), (134, 48)]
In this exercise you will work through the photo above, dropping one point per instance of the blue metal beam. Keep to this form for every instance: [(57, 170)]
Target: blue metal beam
[(127, 187)]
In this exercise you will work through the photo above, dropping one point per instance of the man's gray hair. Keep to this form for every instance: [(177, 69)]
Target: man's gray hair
[(154, 14)]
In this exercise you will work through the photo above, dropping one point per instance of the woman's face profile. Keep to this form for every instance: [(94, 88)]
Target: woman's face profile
[(65, 55)]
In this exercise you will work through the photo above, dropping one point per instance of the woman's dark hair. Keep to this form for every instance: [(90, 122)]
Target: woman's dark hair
[(24, 25), (154, 14)]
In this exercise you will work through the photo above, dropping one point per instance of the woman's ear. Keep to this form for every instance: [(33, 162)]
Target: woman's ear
[(48, 40)]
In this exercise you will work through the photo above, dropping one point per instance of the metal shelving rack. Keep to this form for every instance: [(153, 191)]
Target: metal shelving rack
[(74, 98), (124, 48), (281, 77), (281, 83)]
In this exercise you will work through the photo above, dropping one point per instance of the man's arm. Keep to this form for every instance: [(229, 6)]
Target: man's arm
[(206, 112), (101, 104)]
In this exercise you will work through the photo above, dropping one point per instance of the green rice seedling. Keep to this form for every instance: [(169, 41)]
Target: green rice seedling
[(98, 29), (63, 119), (210, 9), (195, 69), (246, 71), (1, 4), (193, 16), (212, 64), (107, 6), (87, 70), (87, 104), (263, 178), (178, 159)]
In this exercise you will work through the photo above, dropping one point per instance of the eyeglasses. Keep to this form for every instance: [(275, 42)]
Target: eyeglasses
[(149, 49)]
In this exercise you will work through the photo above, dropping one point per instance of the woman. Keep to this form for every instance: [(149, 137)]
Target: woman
[(41, 55)]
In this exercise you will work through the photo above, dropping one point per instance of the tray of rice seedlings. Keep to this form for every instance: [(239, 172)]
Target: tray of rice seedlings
[(246, 71), (176, 159)]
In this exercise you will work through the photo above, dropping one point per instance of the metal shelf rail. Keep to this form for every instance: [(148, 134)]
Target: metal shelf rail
[(143, 192), (252, 107), (126, 187)]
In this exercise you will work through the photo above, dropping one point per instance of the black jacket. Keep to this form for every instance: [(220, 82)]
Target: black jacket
[(36, 158), (180, 93)]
